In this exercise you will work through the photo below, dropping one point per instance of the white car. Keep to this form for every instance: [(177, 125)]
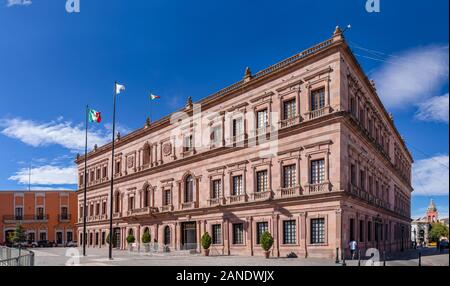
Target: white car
[(71, 244)]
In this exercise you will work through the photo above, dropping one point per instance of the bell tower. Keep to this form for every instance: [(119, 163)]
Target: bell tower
[(432, 213)]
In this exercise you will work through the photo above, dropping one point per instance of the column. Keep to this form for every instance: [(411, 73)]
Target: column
[(226, 236), (250, 234), (339, 242), (199, 236), (276, 243), (302, 235), (177, 236)]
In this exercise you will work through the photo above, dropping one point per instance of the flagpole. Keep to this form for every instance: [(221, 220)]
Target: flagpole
[(112, 176), (85, 184)]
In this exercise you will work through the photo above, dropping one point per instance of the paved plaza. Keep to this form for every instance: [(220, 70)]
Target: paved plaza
[(99, 257)]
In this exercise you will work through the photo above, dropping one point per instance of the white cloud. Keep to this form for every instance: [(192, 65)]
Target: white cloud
[(10, 3), (47, 175), (431, 176), (434, 109), (413, 76), (60, 133)]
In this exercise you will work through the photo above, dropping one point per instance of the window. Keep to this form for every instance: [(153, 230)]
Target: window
[(216, 189), (103, 238), (90, 238), (261, 227), (105, 172), (369, 231), (91, 210), (370, 184), (146, 197), (96, 238), (43, 236), (131, 203), (370, 127), (362, 117), (146, 155), (98, 174), (238, 233), (217, 234), (40, 213), (289, 109), (289, 232), (353, 106), (317, 171), (188, 143), (188, 189), (167, 198), (81, 212), (81, 182), (261, 181), (104, 208), (237, 186), (353, 174), (64, 213), (262, 119), (92, 177), (238, 129), (318, 231), (19, 213), (362, 180), (289, 176), (118, 167), (216, 135), (97, 209), (167, 235), (352, 229), (117, 202), (318, 99), (361, 231)]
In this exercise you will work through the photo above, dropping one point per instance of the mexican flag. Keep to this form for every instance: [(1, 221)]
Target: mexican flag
[(94, 116), (154, 97)]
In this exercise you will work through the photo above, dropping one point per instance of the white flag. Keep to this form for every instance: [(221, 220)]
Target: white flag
[(119, 88)]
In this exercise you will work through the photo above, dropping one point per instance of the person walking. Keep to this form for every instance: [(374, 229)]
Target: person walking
[(353, 246)]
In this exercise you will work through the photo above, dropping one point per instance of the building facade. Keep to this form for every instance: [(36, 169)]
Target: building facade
[(421, 226), (45, 215), (303, 149)]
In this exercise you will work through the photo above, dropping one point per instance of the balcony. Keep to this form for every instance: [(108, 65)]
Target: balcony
[(142, 211), (318, 188), (237, 199), (289, 192), (319, 112), (261, 196), (188, 206), (166, 209), (64, 217), (25, 218), (117, 215), (188, 152), (290, 122), (216, 202)]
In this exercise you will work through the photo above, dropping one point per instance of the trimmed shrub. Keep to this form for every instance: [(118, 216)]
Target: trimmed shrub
[(266, 241), (146, 237), (206, 241)]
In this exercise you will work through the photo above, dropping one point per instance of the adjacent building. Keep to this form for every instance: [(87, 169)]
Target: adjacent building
[(45, 215), (421, 226), (303, 149)]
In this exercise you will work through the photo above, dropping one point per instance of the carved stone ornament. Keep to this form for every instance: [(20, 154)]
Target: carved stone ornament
[(167, 149)]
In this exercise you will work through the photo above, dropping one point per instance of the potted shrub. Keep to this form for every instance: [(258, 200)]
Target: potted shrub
[(146, 238), (130, 239), (266, 243), (206, 243)]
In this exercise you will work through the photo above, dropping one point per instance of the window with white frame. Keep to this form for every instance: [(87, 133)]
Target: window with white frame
[(262, 119), (238, 233), (289, 232), (237, 186), (188, 143), (216, 189), (261, 227), (317, 231), (289, 109), (167, 198), (289, 176), (238, 127), (317, 99), (317, 171), (261, 181), (217, 234)]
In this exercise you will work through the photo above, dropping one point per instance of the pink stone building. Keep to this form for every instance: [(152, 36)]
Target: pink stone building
[(303, 149)]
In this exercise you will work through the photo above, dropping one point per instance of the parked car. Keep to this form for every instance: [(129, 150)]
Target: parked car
[(71, 244), (23, 244), (33, 244), (45, 243)]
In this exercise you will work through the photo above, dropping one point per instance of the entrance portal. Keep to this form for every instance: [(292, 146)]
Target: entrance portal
[(188, 235), (116, 238)]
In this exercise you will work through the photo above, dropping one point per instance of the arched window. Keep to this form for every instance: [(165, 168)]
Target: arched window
[(147, 197), (130, 232), (167, 235), (188, 189), (117, 202), (146, 157)]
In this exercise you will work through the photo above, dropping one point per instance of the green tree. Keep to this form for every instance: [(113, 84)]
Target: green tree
[(146, 237), (19, 235), (131, 239), (437, 231), (266, 241), (206, 241)]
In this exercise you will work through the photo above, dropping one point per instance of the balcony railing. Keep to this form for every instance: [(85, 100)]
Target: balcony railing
[(24, 218), (216, 202), (237, 199), (64, 217), (290, 122), (368, 197), (319, 112), (188, 205), (318, 188), (142, 211), (166, 208), (289, 192), (261, 196), (117, 215)]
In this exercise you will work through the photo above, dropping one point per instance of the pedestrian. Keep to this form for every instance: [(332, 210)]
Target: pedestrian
[(353, 245)]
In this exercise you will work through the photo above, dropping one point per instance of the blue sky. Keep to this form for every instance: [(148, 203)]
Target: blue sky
[(53, 63)]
